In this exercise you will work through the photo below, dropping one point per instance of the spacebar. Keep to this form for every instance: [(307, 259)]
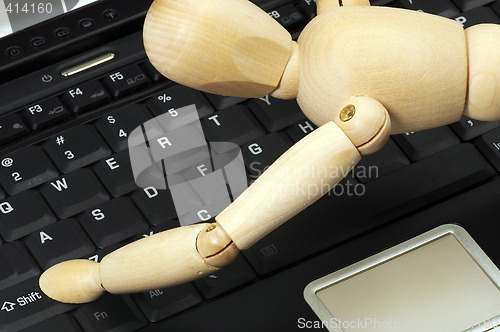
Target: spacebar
[(335, 219)]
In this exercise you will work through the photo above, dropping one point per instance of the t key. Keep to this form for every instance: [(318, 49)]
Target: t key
[(76, 147)]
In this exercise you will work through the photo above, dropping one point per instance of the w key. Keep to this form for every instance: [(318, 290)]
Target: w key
[(76, 147), (18, 172)]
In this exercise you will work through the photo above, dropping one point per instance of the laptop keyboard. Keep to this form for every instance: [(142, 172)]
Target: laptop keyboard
[(67, 189)]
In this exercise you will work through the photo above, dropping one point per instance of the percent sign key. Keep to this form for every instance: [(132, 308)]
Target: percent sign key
[(177, 97)]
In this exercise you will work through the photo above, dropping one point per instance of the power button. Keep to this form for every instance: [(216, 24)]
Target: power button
[(46, 78), (14, 51)]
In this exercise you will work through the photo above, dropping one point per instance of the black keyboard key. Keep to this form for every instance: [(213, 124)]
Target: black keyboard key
[(126, 80), (442, 7), (261, 153), (489, 144), (176, 97), (45, 113), (229, 277), (387, 160), (161, 303), (19, 172), (23, 213), (73, 193), (465, 5), (156, 205), (276, 114), (25, 304), (300, 130), (113, 221), (63, 323), (422, 144), (61, 241), (116, 174), (477, 16), (401, 192), (98, 255), (234, 124), (86, 96), (11, 128), (17, 265), (116, 126), (76, 147), (270, 4), (2, 196), (221, 102), (308, 8), (288, 16), (109, 314), (468, 128), (151, 71)]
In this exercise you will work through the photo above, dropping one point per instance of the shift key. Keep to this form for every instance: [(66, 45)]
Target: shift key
[(25, 304)]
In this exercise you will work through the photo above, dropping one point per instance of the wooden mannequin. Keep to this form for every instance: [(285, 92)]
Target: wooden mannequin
[(360, 73)]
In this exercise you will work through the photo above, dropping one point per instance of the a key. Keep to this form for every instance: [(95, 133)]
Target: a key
[(74, 192), (23, 213), (126, 80), (76, 147), (17, 265), (468, 128), (261, 153), (116, 126), (86, 96), (300, 130), (158, 304), (465, 5), (442, 7), (113, 221), (234, 124), (116, 174), (59, 242), (25, 305), (229, 277), (477, 16), (110, 313), (45, 113), (11, 128), (156, 205), (19, 172), (386, 160), (398, 193), (151, 71), (178, 96), (63, 323), (489, 144), (288, 16), (275, 114), (422, 144)]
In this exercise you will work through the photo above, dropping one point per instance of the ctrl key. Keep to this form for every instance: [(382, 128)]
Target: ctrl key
[(25, 304), (110, 313)]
